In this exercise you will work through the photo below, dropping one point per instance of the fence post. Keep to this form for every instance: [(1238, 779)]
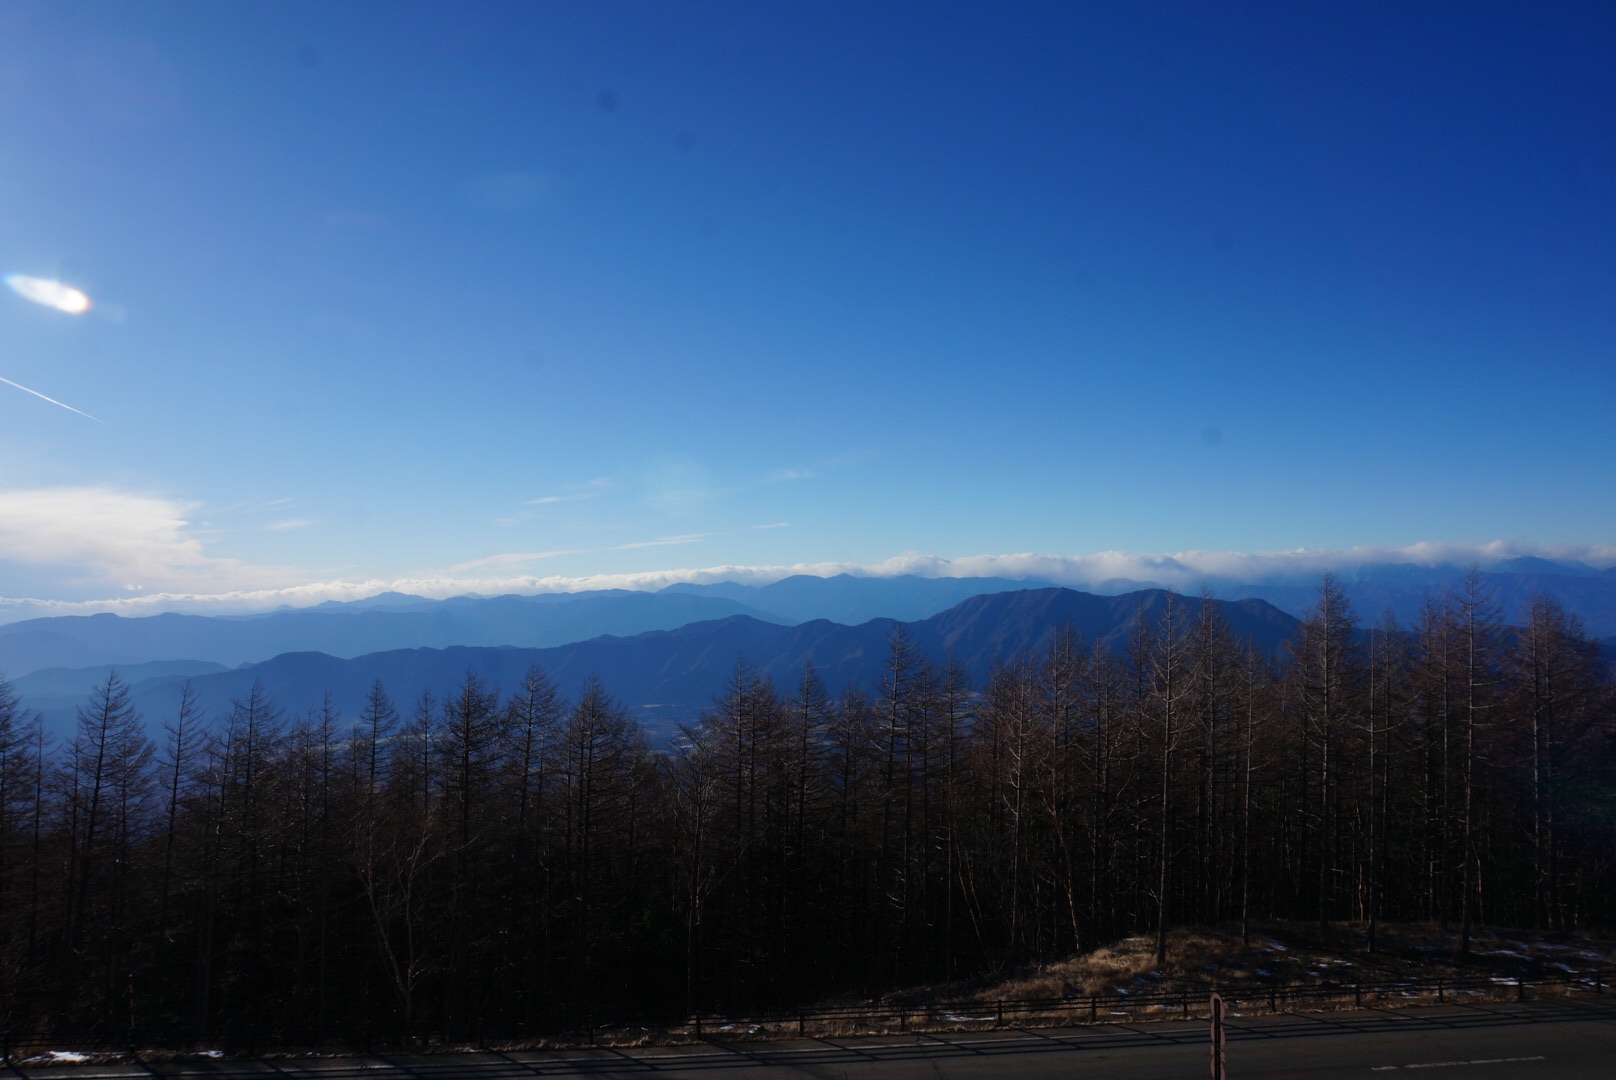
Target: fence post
[(1439, 996), (1357, 995), (1520, 989), (998, 1014), (1094, 1008), (1273, 1000), (1184, 1001)]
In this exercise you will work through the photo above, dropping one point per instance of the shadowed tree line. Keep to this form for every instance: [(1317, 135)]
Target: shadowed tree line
[(515, 861)]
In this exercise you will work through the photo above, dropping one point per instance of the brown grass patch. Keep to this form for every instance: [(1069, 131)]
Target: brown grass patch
[(1281, 955)]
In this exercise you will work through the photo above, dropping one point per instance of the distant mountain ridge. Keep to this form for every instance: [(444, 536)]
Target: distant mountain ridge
[(58, 692), (344, 630), (669, 676), (399, 621), (1588, 593), (1373, 589), (394, 620), (844, 598)]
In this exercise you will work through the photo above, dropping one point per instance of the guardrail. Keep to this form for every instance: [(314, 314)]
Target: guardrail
[(1097, 1008), (19, 1047)]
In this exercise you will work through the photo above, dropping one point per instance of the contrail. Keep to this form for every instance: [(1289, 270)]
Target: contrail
[(52, 400)]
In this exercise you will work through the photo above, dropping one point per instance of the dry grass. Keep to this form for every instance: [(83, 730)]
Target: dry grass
[(1281, 955), (1125, 964)]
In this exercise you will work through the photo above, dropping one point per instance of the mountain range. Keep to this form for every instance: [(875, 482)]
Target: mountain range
[(669, 676), (667, 652), (396, 621), (1402, 590), (347, 630)]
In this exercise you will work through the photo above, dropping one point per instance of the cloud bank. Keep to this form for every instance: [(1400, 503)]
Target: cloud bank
[(89, 538), (151, 545)]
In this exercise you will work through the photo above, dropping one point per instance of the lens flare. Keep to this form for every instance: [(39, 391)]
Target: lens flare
[(51, 294)]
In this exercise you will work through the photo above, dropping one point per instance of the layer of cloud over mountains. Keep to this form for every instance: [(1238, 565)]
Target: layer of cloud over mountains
[(666, 654)]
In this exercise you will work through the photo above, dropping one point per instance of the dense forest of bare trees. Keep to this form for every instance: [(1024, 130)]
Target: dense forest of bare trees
[(513, 860)]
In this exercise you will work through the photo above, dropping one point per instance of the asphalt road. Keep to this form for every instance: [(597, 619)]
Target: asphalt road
[(1510, 1041)]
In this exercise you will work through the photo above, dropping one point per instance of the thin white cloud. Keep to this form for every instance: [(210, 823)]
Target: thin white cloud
[(780, 476), (289, 525), (547, 500), (663, 541), (774, 525), (507, 561), (160, 555), (256, 507), (588, 490), (1191, 569), (678, 485)]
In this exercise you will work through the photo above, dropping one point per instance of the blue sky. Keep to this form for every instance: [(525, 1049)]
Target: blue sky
[(476, 296)]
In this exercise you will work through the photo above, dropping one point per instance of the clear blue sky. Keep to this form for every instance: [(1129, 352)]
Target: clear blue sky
[(419, 292)]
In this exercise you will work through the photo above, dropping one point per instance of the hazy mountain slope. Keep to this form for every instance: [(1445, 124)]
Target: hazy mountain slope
[(46, 646), (988, 627), (1372, 588), (670, 676), (392, 621), (398, 621), (1590, 594), (350, 630), (852, 600), (75, 682), (58, 692)]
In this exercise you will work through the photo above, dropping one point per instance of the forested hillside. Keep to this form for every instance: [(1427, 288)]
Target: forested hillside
[(667, 677), (468, 860)]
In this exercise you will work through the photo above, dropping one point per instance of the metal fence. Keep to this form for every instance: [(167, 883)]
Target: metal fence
[(1101, 1008), (870, 1018)]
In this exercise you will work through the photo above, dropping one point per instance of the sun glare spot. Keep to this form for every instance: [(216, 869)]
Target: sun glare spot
[(51, 294)]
